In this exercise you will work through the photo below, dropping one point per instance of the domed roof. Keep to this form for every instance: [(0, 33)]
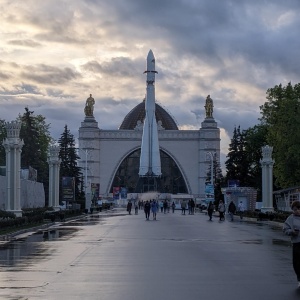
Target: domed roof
[(139, 113)]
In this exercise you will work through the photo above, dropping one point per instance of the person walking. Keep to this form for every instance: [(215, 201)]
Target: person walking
[(291, 228), (161, 205), (241, 209), (210, 210), (221, 209), (154, 208), (192, 206), (129, 207), (147, 208), (189, 207), (165, 206), (173, 207), (231, 210), (183, 206)]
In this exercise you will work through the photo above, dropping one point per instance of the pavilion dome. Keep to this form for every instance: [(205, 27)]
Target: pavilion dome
[(138, 113)]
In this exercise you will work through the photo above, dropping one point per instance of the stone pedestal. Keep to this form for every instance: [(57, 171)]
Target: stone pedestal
[(13, 148), (54, 166), (267, 179)]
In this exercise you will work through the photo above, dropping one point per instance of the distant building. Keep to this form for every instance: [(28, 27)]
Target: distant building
[(285, 197)]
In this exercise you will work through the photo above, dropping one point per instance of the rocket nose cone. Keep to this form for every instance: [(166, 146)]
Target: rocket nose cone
[(150, 56)]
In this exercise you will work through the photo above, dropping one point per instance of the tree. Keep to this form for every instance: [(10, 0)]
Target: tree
[(281, 113), (255, 138), (36, 136), (237, 164), (69, 157)]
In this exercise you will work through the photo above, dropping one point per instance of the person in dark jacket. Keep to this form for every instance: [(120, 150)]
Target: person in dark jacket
[(210, 210), (147, 208), (129, 207), (231, 210)]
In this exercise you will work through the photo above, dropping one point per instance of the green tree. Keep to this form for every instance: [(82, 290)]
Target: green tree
[(69, 157), (237, 164), (36, 136), (255, 138), (281, 113)]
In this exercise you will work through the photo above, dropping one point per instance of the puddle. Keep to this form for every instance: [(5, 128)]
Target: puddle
[(254, 242), (281, 242), (27, 250)]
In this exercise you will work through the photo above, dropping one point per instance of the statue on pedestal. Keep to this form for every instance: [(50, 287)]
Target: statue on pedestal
[(89, 106), (209, 107)]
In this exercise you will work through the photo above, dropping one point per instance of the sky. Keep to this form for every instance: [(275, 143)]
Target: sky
[(54, 53)]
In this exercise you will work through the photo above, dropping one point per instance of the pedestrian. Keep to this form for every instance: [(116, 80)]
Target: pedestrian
[(231, 210), (189, 207), (165, 205), (129, 207), (241, 209), (210, 210), (147, 208), (154, 208), (136, 208), (183, 206), (173, 207), (192, 206), (291, 227), (221, 209)]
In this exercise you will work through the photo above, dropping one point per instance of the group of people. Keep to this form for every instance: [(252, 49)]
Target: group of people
[(190, 204), (232, 209)]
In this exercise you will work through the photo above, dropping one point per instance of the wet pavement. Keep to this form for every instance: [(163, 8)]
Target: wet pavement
[(116, 256)]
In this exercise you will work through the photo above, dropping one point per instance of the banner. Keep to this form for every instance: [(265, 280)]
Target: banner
[(116, 192), (95, 188), (68, 189), (123, 193), (209, 192)]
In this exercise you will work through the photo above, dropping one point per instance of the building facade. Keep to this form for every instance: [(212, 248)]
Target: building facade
[(111, 158)]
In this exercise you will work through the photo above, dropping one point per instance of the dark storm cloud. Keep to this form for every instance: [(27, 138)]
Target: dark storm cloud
[(25, 43), (20, 89), (49, 75), (118, 66)]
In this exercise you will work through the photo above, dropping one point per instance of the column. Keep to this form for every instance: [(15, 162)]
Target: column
[(267, 179), (54, 166), (13, 149)]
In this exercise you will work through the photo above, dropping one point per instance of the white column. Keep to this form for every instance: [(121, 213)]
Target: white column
[(13, 149), (54, 166), (267, 179)]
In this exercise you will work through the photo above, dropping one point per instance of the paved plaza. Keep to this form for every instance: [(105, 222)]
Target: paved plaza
[(116, 256)]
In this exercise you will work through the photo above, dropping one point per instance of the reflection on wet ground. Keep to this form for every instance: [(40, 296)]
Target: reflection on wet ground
[(21, 251)]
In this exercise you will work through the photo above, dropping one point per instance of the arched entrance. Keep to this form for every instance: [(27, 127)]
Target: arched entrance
[(171, 181)]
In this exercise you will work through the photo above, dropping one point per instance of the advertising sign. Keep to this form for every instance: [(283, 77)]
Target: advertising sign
[(68, 189), (116, 192), (209, 192), (95, 188)]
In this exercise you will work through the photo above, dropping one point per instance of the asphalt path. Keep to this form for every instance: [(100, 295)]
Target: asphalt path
[(116, 256)]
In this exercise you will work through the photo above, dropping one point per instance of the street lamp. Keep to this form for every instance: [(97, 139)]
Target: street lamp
[(87, 201)]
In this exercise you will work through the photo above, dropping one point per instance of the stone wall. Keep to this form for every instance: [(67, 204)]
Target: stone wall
[(32, 193)]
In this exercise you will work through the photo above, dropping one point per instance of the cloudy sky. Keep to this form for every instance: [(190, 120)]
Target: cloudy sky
[(54, 53)]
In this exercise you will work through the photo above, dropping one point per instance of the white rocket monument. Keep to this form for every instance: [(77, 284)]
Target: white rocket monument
[(150, 157)]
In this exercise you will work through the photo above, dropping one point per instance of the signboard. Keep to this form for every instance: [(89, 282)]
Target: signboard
[(68, 189), (116, 192), (95, 187), (209, 192), (123, 193)]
